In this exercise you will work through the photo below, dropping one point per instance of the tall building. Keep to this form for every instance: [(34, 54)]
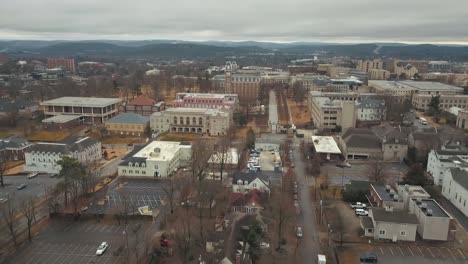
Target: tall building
[(245, 85), (329, 114), (366, 65), (378, 74), (66, 64), (206, 100)]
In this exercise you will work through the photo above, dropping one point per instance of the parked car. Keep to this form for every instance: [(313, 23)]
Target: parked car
[(264, 245), (344, 165), (296, 203), (299, 233), (21, 186), (368, 258), (358, 205), (32, 175), (361, 212), (53, 175), (102, 248), (84, 208), (3, 200)]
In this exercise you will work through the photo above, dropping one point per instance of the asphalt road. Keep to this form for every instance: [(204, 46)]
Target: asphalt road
[(310, 245), (273, 112), (35, 187)]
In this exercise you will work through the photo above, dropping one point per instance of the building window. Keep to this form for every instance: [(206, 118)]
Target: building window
[(381, 232), (403, 233)]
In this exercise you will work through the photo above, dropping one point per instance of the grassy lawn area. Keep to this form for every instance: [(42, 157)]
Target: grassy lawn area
[(299, 113), (52, 136), (121, 140), (4, 134), (178, 137)]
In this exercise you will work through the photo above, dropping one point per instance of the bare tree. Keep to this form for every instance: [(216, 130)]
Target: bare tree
[(223, 154), (3, 169), (377, 167), (28, 208), (9, 217), (169, 187)]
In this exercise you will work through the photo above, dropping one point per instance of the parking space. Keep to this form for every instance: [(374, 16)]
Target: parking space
[(35, 186), (132, 194), (360, 171), (72, 242), (419, 254)]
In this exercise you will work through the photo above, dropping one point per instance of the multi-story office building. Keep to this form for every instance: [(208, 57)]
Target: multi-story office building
[(367, 65), (92, 110), (129, 124), (328, 114), (214, 122), (348, 84), (378, 74), (370, 110), (144, 106), (43, 157), (422, 101), (245, 85), (66, 64), (156, 159), (206, 100)]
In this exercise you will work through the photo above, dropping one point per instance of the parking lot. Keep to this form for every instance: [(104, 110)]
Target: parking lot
[(360, 171), (130, 193), (419, 254), (35, 186), (72, 242)]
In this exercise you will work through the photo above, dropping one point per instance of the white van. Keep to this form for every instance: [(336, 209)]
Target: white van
[(423, 121), (361, 212)]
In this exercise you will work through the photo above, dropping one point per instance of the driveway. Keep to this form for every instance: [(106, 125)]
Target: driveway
[(273, 112)]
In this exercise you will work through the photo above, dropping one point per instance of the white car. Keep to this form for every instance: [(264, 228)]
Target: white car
[(102, 248), (358, 205), (361, 212), (32, 175)]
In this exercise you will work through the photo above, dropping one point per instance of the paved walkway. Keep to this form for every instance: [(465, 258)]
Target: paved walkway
[(273, 112)]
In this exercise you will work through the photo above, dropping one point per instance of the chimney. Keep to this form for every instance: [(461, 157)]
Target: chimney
[(238, 258)]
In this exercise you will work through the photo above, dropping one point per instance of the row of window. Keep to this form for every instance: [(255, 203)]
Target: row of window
[(131, 171), (383, 232), (187, 120)]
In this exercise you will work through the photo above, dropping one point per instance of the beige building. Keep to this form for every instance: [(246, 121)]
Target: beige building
[(421, 101), (367, 65), (129, 124), (214, 122), (328, 114), (462, 119), (406, 69), (245, 85), (378, 74)]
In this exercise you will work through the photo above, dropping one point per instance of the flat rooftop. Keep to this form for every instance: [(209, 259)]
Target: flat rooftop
[(431, 204), (327, 102), (82, 101), (323, 144), (381, 190), (185, 110), (167, 150), (205, 95), (60, 119), (414, 85)]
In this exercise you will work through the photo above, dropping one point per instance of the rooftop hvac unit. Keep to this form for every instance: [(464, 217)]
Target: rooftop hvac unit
[(387, 188), (392, 192), (423, 206), (429, 212), (418, 201), (395, 197)]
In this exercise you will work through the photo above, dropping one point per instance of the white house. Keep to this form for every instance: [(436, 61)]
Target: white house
[(244, 182), (439, 161), (370, 110), (455, 188), (386, 224), (156, 159), (43, 156)]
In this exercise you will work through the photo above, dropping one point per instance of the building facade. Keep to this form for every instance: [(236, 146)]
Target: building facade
[(367, 65), (455, 188), (66, 64), (156, 159), (214, 122), (129, 124), (433, 220), (439, 161), (392, 225), (245, 85), (144, 106), (13, 148), (370, 110), (462, 119), (43, 157), (328, 114), (206, 100), (446, 101), (376, 74), (92, 110)]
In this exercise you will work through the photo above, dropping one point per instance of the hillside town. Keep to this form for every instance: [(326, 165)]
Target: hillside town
[(313, 159)]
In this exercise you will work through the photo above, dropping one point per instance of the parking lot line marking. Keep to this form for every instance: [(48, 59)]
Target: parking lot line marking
[(420, 251), (461, 253), (410, 251), (103, 228), (440, 251), (428, 249), (381, 250), (90, 226), (401, 251), (391, 250), (453, 256), (82, 227), (96, 227), (110, 229)]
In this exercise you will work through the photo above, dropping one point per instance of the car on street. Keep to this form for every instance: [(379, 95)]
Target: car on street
[(295, 197), (299, 233), (32, 175), (84, 208), (102, 248), (21, 186), (358, 205), (3, 200), (344, 165), (264, 245), (361, 212), (53, 175), (368, 258)]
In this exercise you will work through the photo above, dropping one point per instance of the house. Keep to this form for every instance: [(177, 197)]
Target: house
[(433, 220), (144, 106), (245, 182), (423, 142), (441, 160), (407, 192), (251, 202), (360, 143), (43, 157), (386, 224), (13, 148), (156, 159), (382, 195), (129, 124), (455, 188), (370, 110)]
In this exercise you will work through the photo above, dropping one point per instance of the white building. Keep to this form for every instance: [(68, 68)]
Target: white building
[(214, 122), (455, 188), (434, 221), (440, 161), (43, 157), (244, 182), (388, 224), (156, 159), (369, 110)]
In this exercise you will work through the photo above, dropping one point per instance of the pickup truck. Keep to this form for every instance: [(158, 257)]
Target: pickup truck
[(358, 205)]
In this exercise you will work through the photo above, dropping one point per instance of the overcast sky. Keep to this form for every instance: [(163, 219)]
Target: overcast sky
[(431, 21)]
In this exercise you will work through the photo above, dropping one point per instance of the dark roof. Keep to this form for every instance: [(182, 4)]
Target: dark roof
[(401, 217), (363, 141), (460, 176), (249, 177), (381, 190), (367, 222), (452, 152), (129, 118), (371, 103), (66, 146), (252, 197), (356, 186), (430, 137), (435, 208), (7, 105), (13, 143)]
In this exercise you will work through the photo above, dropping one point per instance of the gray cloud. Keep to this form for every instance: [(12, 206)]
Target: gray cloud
[(264, 20)]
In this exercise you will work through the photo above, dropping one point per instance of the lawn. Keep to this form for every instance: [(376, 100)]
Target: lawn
[(4, 134), (179, 137), (52, 136), (299, 113), (121, 140)]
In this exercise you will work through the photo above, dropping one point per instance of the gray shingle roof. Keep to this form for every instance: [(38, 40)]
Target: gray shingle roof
[(13, 143), (401, 217), (363, 141), (65, 147), (129, 118), (460, 176), (367, 222), (249, 177), (370, 103), (7, 105)]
